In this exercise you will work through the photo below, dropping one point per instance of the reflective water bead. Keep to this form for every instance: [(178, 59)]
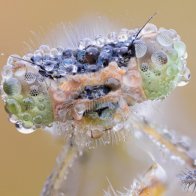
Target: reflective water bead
[(149, 28), (172, 70), (159, 58), (27, 124), (91, 54), (11, 60), (45, 48), (184, 79), (67, 53), (54, 52), (28, 103), (84, 43), (173, 55), (12, 106), (41, 107), (140, 48), (180, 48), (111, 37), (49, 65), (26, 116), (144, 67), (28, 56), (7, 71), (80, 56), (30, 77), (100, 41), (38, 119), (12, 86), (123, 35), (164, 38)]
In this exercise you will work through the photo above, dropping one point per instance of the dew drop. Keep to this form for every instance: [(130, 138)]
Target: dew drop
[(159, 58), (12, 86), (140, 49), (164, 38), (180, 48)]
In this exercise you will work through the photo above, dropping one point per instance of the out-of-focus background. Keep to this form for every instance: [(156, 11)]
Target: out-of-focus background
[(26, 160)]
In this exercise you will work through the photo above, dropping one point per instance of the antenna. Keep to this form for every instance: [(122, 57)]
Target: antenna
[(145, 25), (24, 60)]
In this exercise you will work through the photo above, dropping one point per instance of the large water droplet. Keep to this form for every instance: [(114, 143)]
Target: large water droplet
[(159, 58), (12, 86), (140, 49), (164, 38)]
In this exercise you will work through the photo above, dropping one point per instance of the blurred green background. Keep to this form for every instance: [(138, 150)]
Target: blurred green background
[(26, 160)]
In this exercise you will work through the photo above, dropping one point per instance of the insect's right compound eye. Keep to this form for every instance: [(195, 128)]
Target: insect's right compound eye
[(161, 58)]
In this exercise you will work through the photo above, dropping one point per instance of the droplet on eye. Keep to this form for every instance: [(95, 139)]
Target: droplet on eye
[(34, 90), (140, 49), (184, 79), (12, 86), (164, 38), (144, 67), (30, 77), (159, 58)]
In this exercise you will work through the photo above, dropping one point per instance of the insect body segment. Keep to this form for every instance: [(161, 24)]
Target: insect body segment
[(92, 87)]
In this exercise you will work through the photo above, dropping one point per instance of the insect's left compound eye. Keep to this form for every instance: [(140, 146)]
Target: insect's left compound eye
[(161, 58)]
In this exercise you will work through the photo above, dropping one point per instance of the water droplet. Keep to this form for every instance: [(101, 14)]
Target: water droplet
[(140, 49), (84, 43), (180, 48), (44, 49), (38, 119), (159, 58), (149, 28), (41, 107), (111, 37), (164, 38), (28, 103), (26, 116), (12, 106), (184, 79), (123, 35), (7, 71), (144, 67), (12, 86), (100, 41)]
